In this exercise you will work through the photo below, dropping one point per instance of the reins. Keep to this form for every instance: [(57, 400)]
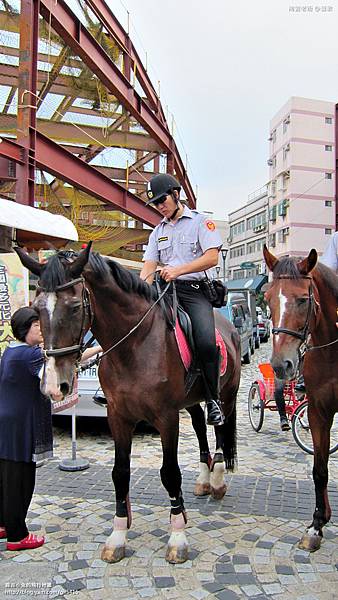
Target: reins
[(98, 359)]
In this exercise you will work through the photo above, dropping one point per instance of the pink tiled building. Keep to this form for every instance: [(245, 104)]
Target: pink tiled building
[(302, 186)]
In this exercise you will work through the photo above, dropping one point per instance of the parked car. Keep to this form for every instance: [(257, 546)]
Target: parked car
[(263, 323), (237, 312)]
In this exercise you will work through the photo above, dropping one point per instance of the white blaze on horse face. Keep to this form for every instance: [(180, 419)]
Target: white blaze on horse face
[(282, 306), (51, 377), (50, 305), (51, 387)]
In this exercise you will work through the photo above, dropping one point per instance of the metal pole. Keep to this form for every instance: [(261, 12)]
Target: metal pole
[(223, 257), (74, 463)]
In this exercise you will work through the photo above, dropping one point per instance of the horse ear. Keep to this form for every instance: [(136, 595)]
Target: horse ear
[(305, 266), (28, 261), (80, 262), (269, 258)]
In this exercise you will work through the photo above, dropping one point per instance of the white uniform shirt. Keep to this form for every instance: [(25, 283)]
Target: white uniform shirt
[(175, 244), (330, 256)]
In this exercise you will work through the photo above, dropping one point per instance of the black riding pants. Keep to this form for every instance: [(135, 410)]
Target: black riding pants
[(17, 481), (279, 396), (200, 311)]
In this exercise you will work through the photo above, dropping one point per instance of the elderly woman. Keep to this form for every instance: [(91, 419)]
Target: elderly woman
[(25, 427)]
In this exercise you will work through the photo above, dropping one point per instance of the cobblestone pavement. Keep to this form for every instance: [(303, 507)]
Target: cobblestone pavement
[(244, 546)]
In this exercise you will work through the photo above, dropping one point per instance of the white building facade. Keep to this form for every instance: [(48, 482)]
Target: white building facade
[(302, 186), (248, 232)]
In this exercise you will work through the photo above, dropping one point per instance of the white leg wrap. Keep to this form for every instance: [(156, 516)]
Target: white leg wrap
[(118, 536), (217, 475), (312, 531), (204, 476)]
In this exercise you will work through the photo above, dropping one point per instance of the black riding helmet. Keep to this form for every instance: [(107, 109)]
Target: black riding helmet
[(161, 185)]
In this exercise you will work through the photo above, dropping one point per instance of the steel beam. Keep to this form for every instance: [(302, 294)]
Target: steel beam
[(69, 27), (12, 150), (26, 122), (84, 44), (106, 16), (51, 157), (84, 134)]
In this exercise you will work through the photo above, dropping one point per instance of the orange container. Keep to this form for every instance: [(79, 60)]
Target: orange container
[(266, 370)]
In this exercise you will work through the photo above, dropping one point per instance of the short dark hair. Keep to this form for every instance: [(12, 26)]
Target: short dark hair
[(22, 320)]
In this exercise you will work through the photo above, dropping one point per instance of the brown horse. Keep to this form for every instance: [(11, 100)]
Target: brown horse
[(303, 300), (142, 376)]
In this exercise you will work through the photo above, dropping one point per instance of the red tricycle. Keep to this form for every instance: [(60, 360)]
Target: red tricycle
[(261, 397)]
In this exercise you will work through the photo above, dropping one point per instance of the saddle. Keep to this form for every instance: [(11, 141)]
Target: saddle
[(178, 320)]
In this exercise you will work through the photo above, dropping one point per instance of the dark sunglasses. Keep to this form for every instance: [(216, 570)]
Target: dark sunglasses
[(160, 200)]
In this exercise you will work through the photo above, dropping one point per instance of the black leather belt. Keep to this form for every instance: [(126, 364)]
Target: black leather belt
[(189, 282)]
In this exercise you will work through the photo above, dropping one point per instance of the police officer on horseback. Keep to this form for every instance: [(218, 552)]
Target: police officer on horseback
[(186, 243)]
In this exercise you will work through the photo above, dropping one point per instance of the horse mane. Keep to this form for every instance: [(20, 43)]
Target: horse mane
[(54, 273), (126, 280), (329, 278), (288, 266)]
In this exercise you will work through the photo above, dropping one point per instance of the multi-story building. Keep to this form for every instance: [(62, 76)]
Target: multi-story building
[(248, 231), (301, 189)]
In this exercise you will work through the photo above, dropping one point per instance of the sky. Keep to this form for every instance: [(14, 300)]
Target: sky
[(225, 68)]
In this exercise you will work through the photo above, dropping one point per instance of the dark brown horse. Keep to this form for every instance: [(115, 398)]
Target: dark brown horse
[(303, 300), (142, 377)]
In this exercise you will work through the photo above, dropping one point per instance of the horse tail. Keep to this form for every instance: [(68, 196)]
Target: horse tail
[(229, 445)]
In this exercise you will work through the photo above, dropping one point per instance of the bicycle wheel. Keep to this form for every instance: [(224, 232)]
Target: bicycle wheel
[(255, 407), (302, 434)]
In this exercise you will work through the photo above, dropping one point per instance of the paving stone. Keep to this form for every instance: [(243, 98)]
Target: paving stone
[(147, 592), (284, 570), (250, 537), (54, 555), (164, 582), (72, 586), (78, 564), (118, 582), (227, 595), (251, 590), (199, 594), (52, 528), (94, 584)]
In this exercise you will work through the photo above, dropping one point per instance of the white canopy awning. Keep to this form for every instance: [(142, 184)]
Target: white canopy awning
[(41, 222)]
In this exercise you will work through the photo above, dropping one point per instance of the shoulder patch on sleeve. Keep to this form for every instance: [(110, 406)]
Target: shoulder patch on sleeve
[(210, 225)]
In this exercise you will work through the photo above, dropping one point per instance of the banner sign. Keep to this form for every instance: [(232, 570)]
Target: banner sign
[(14, 293)]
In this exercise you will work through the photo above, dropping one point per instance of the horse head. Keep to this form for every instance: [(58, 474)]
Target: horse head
[(292, 298), (62, 302)]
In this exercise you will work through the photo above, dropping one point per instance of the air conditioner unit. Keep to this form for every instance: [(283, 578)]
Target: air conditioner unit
[(270, 162)]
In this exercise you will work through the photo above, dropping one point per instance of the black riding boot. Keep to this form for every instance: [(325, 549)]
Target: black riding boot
[(211, 376)]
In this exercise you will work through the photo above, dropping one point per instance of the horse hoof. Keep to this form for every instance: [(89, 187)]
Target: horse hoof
[(311, 543), (177, 554), (113, 555), (218, 493), (202, 489)]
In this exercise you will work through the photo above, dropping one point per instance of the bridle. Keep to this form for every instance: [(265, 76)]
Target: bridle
[(87, 318), (304, 333)]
